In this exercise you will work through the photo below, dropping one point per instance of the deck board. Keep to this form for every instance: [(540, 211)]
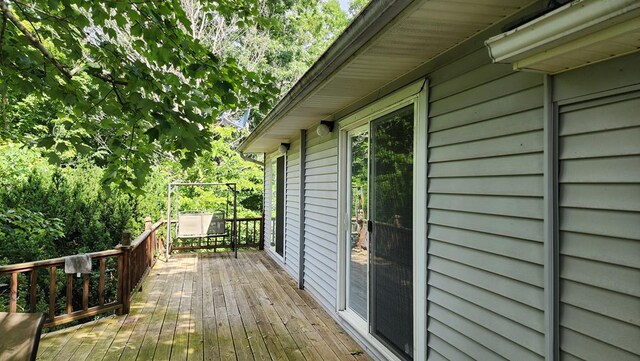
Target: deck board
[(210, 307)]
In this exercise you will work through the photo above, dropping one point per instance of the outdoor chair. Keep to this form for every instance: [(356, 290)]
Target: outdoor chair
[(20, 335)]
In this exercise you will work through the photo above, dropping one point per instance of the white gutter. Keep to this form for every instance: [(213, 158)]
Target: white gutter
[(559, 27)]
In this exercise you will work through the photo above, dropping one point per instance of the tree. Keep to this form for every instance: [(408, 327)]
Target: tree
[(298, 34), (128, 83), (125, 77)]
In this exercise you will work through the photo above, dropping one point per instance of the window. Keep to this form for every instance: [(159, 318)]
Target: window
[(277, 205)]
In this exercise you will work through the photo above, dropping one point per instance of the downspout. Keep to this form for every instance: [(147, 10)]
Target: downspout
[(303, 159)]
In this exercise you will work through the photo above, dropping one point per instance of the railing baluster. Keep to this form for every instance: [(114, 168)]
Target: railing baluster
[(33, 290), (120, 282), (103, 268), (69, 293), (52, 293), (246, 232), (85, 292), (13, 300)]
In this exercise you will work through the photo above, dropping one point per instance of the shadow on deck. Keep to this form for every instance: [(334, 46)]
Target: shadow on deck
[(210, 307)]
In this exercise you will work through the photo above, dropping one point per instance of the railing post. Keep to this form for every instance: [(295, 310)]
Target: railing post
[(124, 268), (150, 237), (13, 300), (52, 293)]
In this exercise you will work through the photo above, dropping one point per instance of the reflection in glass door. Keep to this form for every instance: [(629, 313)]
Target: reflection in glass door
[(391, 228), (277, 205), (358, 239)]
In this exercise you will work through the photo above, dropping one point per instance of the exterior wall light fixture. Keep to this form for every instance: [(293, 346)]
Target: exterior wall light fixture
[(283, 148), (324, 128)]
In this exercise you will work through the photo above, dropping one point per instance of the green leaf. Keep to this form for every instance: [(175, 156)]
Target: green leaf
[(46, 142)]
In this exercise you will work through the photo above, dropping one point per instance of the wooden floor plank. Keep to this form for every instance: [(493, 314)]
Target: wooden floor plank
[(258, 346), (223, 328), (293, 322), (325, 328), (210, 336), (90, 340), (196, 327), (211, 307), (259, 287), (55, 343), (238, 332), (180, 347), (104, 341), (272, 343), (141, 305), (134, 344), (172, 272), (165, 339)]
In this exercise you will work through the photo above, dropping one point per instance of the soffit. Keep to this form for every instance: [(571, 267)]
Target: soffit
[(424, 30)]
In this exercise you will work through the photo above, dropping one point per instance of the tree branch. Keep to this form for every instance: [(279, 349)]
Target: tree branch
[(108, 78), (34, 42), (3, 27), (45, 52), (98, 103), (29, 20)]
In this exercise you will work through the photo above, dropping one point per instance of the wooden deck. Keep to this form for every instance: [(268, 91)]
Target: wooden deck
[(210, 307)]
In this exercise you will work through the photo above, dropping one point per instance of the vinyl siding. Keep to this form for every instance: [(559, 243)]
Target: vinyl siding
[(485, 284), (599, 218), (292, 209), (321, 218)]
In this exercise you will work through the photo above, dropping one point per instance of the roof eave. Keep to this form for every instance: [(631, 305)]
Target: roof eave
[(364, 27)]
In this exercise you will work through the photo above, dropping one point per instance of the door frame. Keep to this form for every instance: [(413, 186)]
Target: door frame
[(273, 161), (416, 94)]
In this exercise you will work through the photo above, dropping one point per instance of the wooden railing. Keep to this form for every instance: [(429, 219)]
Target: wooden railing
[(249, 234), (127, 265)]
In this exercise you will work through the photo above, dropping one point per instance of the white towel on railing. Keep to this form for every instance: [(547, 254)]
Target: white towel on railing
[(79, 263)]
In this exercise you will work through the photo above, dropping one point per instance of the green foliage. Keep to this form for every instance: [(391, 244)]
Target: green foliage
[(125, 83), (27, 235), (220, 164), (128, 79), (47, 212)]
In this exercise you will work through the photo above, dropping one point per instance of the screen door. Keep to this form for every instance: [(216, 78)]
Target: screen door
[(391, 230)]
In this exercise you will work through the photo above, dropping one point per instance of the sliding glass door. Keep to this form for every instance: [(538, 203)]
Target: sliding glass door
[(277, 205), (380, 240), (391, 227), (358, 238)]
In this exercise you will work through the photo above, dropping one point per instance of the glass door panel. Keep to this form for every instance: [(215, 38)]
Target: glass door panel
[(277, 205), (391, 230), (358, 239)]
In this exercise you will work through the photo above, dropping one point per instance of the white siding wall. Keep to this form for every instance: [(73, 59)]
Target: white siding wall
[(485, 285), (599, 214), (321, 231), (292, 209)]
